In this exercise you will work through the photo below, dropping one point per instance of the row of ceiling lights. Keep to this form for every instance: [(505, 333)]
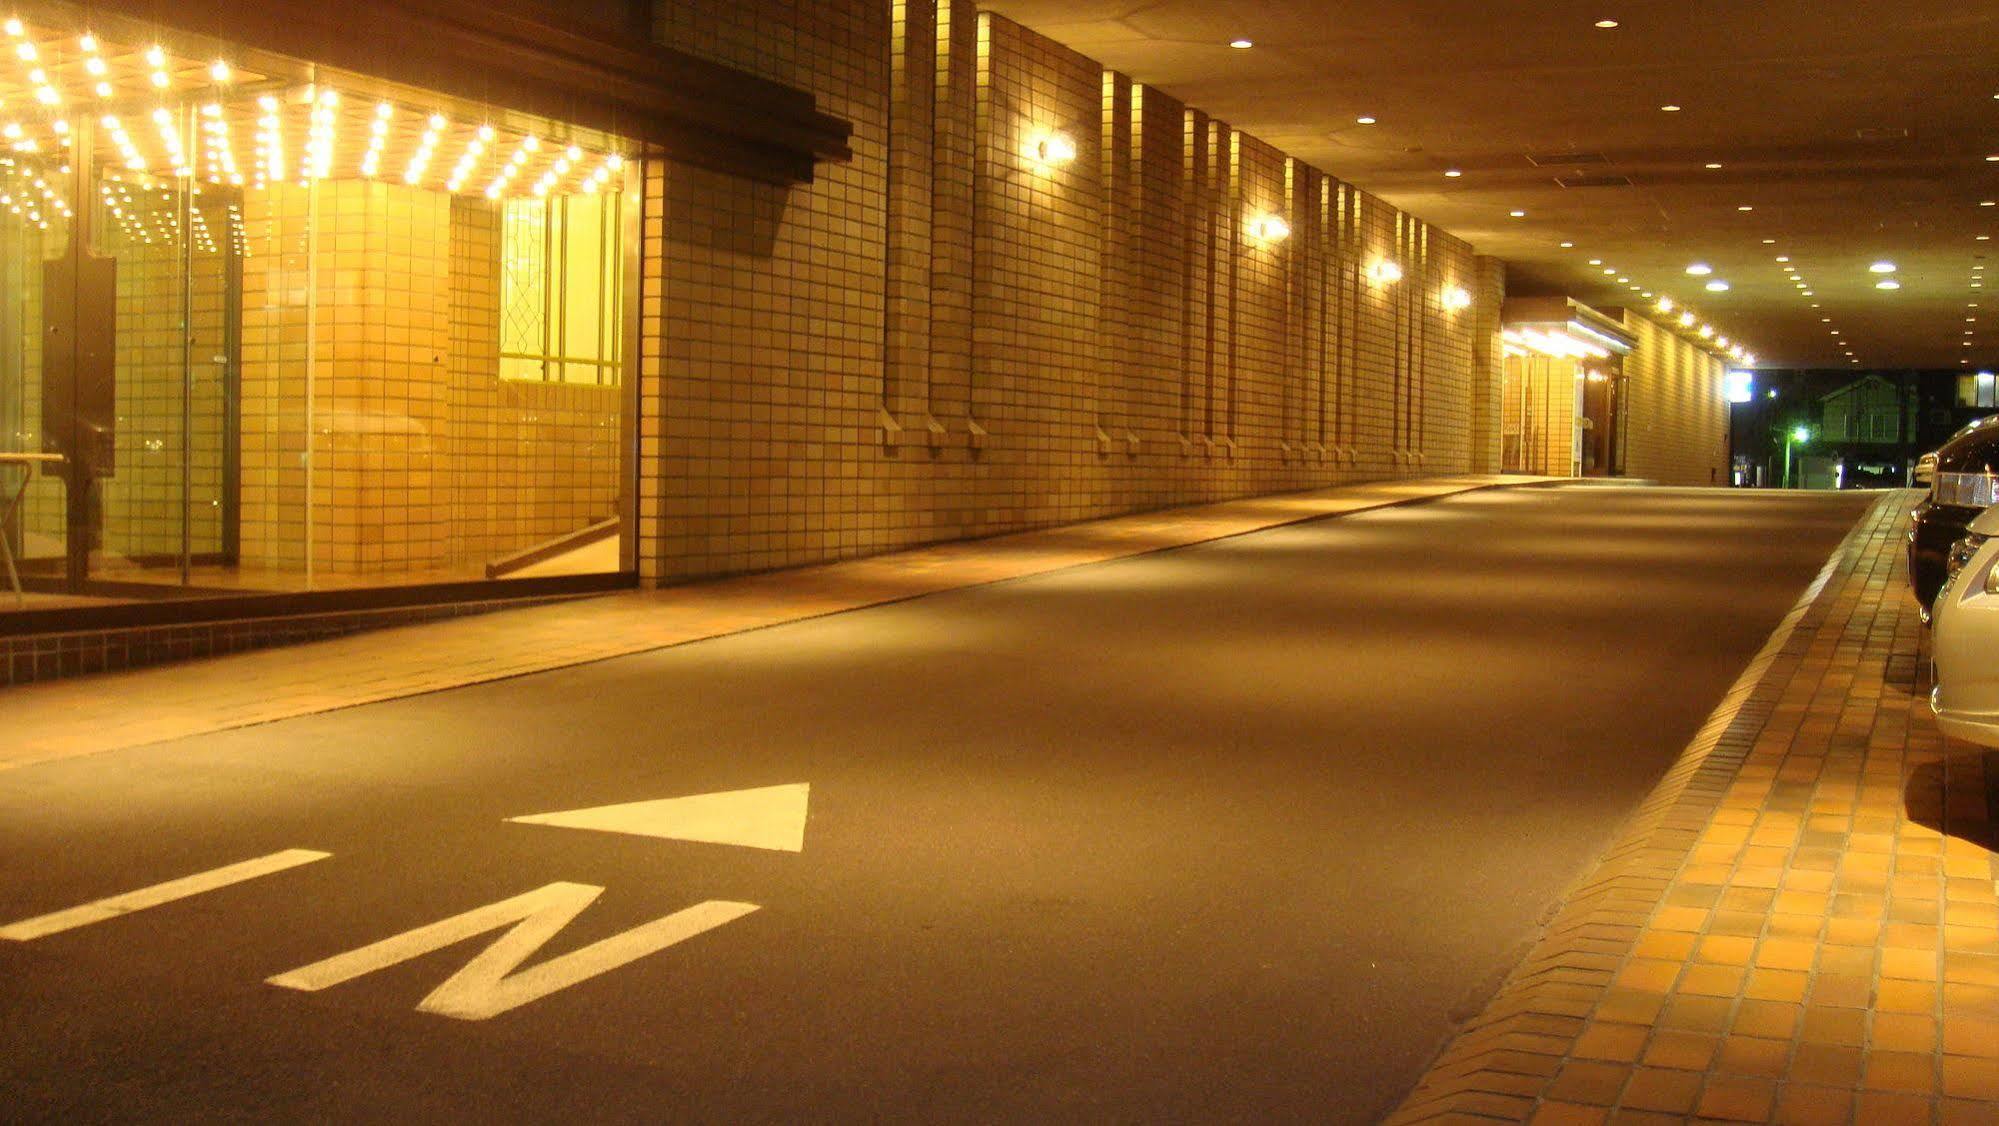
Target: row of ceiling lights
[(1720, 285)]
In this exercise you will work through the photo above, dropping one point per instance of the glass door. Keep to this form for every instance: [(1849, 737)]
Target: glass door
[(35, 211)]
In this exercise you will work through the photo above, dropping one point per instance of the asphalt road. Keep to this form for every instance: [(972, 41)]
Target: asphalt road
[(1234, 832)]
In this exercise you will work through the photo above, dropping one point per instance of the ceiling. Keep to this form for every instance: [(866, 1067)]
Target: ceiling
[(1846, 133)]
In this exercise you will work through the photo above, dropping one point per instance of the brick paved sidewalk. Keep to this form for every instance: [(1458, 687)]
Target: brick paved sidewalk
[(64, 718), (1800, 925)]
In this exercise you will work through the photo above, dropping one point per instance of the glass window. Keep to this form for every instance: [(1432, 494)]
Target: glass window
[(560, 272), (1976, 390), (268, 326)]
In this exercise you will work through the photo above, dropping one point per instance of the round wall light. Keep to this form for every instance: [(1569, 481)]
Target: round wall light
[(1055, 148)]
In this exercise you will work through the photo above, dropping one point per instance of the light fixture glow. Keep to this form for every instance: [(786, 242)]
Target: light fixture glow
[(1606, 25), (1518, 214), (1699, 270), (1881, 268), (1386, 271), (1241, 44), (1055, 148), (1670, 108), (1890, 283), (1717, 286), (1452, 173), (1270, 228), (1364, 120), (1457, 297)]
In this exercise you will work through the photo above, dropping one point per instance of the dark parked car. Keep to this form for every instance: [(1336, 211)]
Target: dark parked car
[(1966, 483)]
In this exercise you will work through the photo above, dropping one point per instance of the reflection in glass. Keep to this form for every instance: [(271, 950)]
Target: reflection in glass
[(315, 331)]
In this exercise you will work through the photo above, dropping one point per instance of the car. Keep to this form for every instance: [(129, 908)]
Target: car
[(1964, 643), (1966, 482)]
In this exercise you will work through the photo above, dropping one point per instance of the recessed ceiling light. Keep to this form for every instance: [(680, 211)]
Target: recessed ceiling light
[(1608, 24), (1988, 203), (1881, 268), (1809, 293), (1890, 283), (1769, 242), (1993, 159), (1717, 286), (1453, 173), (1365, 120), (1669, 108), (1596, 261), (1783, 258), (1518, 214), (1711, 166), (1700, 269), (1625, 281), (1984, 238), (1745, 207), (1241, 44), (1568, 246)]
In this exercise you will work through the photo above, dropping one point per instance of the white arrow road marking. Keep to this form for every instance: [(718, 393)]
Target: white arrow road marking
[(99, 910), (487, 985), (770, 817)]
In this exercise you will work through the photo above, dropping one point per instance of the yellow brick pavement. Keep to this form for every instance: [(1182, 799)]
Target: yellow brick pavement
[(1799, 926), (64, 718)]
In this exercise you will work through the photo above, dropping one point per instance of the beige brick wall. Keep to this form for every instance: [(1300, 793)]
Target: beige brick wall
[(949, 337), (1676, 419)]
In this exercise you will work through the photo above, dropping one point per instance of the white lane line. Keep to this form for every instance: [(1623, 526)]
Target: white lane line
[(767, 817), (99, 910), (487, 985)]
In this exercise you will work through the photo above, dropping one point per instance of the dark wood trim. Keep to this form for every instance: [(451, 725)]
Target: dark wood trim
[(613, 79), (228, 608)]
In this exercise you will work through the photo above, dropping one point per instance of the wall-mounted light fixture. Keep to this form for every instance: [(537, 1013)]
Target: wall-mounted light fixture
[(1456, 297), (1269, 228), (1385, 271), (1051, 149)]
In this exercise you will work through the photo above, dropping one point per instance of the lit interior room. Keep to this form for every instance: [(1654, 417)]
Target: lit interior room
[(270, 327)]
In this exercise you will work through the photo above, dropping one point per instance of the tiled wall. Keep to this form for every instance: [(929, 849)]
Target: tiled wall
[(1676, 420), (949, 336)]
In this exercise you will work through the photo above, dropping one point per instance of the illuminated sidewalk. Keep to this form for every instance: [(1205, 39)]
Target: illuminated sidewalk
[(1800, 925), (64, 718)]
